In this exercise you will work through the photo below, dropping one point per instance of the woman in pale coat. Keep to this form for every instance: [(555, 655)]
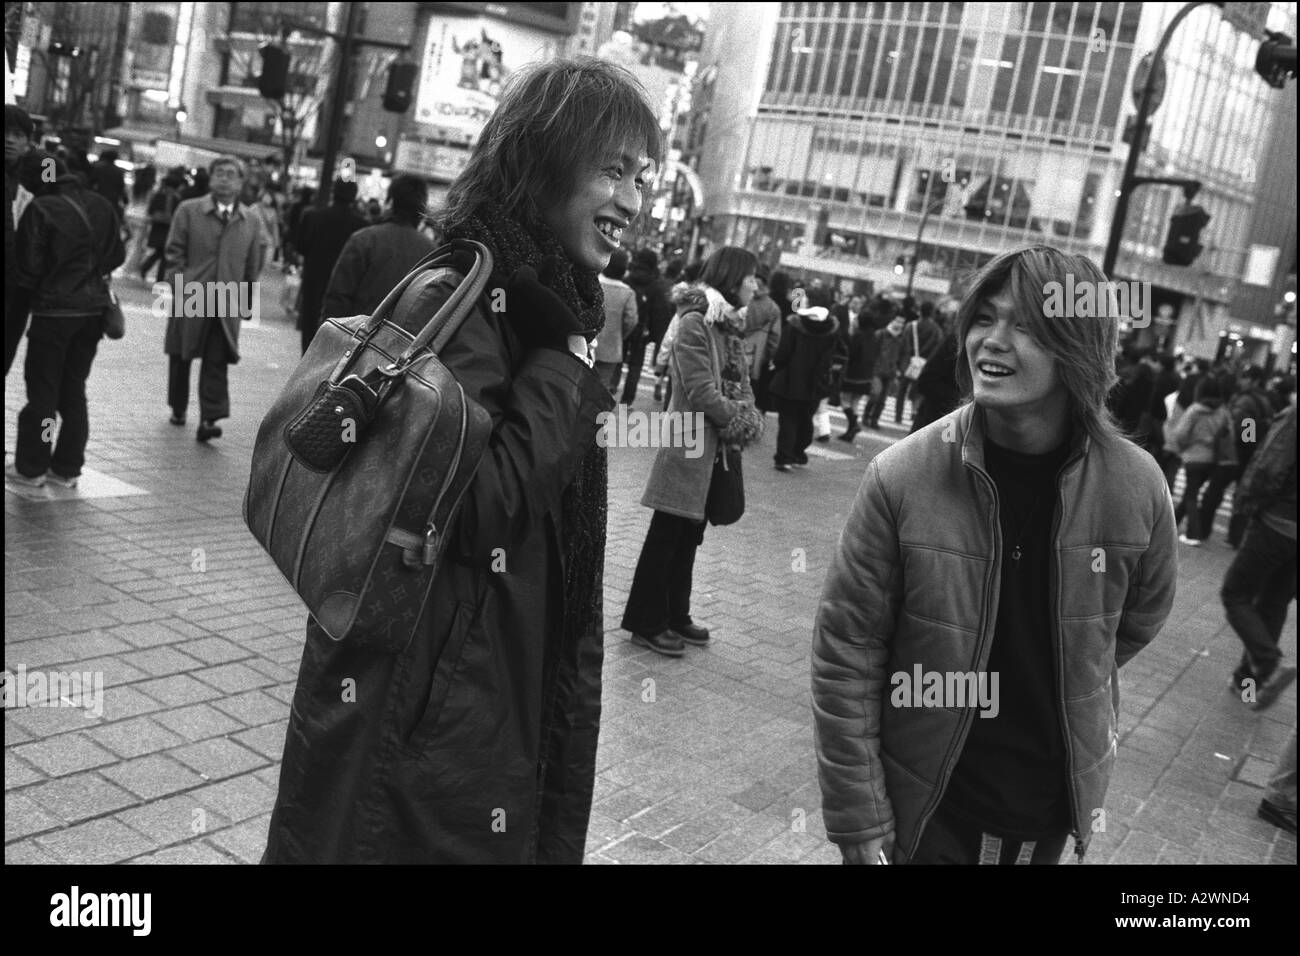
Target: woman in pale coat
[(711, 392)]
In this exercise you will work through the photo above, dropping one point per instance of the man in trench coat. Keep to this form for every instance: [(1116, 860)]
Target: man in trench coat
[(215, 252)]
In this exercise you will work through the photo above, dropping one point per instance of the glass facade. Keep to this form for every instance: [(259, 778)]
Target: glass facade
[(1001, 124)]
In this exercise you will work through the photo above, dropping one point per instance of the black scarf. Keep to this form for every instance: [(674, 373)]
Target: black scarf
[(537, 254)]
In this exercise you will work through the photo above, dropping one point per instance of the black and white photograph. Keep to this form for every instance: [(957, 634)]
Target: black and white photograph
[(652, 433)]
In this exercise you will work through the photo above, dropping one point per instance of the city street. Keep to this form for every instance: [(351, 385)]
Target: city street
[(147, 574)]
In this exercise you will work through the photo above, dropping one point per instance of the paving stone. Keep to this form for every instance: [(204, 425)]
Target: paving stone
[(173, 819), (64, 754), (253, 708), (134, 737), (245, 841), (95, 842), (233, 678), (218, 758), (78, 797), (152, 776), (23, 817), (199, 722), (187, 854), (179, 689)]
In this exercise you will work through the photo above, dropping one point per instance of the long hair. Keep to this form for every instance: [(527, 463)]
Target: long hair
[(726, 268), (1083, 347), (555, 120)]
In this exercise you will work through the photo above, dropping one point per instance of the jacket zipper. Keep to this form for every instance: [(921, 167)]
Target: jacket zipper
[(431, 528), (1058, 646), (963, 729)]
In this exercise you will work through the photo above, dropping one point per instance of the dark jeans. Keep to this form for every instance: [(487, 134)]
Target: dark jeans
[(1197, 475), (59, 355), (1220, 479), (950, 840), (635, 360), (904, 386), (214, 389), (16, 309), (1170, 463), (661, 586), (794, 431), (1257, 590), (878, 396), (155, 255)]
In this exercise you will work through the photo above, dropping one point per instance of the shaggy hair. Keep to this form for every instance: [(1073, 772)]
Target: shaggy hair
[(1084, 348), (727, 268), (555, 121)]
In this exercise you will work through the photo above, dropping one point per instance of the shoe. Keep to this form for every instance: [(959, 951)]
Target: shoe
[(801, 461), (208, 430), (849, 435), (61, 481), (1191, 542), (1270, 689), (823, 439), (666, 643), (177, 419), (782, 466), (659, 391), (692, 634), (874, 425), (1278, 816), (17, 477)]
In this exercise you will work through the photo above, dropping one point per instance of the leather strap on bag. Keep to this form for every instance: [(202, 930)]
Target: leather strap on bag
[(916, 339), (99, 261)]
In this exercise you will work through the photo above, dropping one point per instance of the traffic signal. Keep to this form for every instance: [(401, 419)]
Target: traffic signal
[(401, 83), (274, 81), (1183, 245), (1275, 60)]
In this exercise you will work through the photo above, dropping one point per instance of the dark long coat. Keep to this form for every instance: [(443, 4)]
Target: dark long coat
[(322, 235), (477, 743)]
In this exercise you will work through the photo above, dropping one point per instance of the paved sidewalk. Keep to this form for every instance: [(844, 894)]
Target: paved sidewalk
[(148, 575)]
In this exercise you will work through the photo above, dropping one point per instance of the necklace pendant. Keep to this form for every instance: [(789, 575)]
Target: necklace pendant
[(1015, 553)]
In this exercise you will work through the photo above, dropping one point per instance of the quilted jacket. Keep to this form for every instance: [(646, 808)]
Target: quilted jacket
[(915, 580)]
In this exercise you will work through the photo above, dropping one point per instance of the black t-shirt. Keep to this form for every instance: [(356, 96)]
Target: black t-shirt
[(1012, 777)]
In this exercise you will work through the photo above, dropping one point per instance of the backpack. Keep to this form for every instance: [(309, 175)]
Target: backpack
[(360, 465)]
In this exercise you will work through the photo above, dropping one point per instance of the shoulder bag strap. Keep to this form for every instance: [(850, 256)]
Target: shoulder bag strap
[(90, 229), (916, 340)]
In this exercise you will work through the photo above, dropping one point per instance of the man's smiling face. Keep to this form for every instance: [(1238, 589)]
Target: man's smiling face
[(609, 195), (1008, 367)]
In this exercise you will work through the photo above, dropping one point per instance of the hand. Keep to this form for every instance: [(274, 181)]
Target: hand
[(868, 853)]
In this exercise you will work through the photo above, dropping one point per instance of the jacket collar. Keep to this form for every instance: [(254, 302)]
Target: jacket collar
[(236, 210), (971, 422)]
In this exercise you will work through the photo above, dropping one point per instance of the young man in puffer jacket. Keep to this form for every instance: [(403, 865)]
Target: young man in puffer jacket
[(1203, 439), (996, 570)]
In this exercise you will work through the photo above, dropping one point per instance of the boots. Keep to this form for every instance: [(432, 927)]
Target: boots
[(852, 416)]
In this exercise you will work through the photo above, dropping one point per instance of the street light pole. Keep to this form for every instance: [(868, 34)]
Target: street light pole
[(334, 126), (1128, 183), (916, 250)]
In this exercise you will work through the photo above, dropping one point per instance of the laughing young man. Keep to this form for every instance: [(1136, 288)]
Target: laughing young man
[(1022, 535), (477, 742)]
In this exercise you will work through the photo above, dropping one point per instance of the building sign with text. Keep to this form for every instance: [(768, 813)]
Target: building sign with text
[(465, 63)]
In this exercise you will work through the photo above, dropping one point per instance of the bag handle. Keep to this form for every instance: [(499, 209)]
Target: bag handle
[(448, 319), (444, 323), (916, 339)]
